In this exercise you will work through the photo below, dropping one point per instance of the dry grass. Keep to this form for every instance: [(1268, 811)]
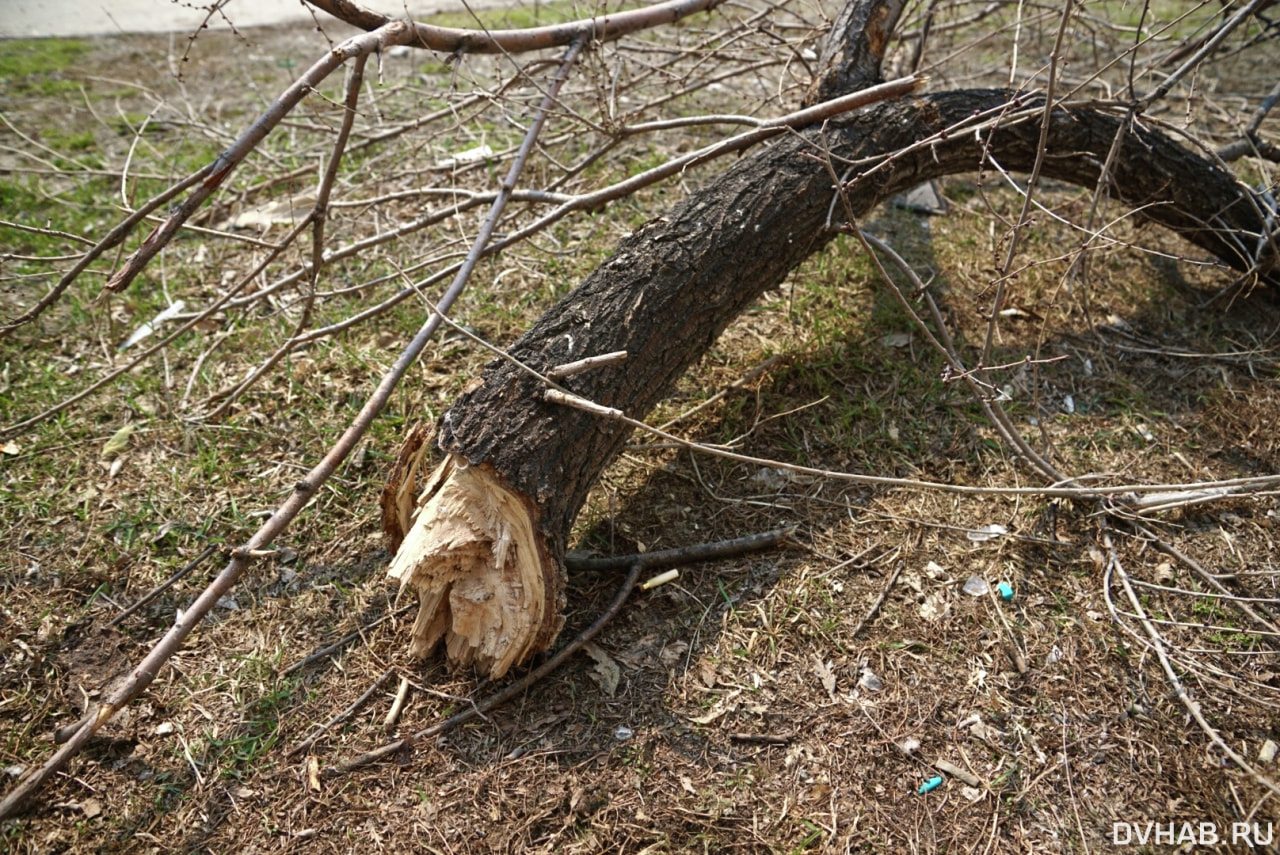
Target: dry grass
[(761, 707)]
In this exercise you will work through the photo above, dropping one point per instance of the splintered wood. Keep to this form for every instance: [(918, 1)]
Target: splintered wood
[(398, 503), (476, 560)]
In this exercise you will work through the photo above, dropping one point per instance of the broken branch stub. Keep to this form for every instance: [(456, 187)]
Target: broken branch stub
[(485, 580)]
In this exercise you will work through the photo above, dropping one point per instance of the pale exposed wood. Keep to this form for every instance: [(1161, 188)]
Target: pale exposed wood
[(485, 581), (399, 502)]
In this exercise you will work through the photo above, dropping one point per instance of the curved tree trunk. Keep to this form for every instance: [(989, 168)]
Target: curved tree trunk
[(485, 550)]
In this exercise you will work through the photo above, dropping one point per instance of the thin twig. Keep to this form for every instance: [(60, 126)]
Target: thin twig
[(317, 217), (344, 641), (1234, 486), (736, 384), (875, 607), (762, 738), (163, 586), (351, 710), (945, 345), (1014, 649), (304, 490), (587, 201), (112, 239), (1042, 149), (637, 564), (1156, 641), (518, 687), (395, 33), (591, 363), (1250, 142), (453, 41), (144, 355), (397, 706), (684, 555), (1224, 30), (1244, 604)]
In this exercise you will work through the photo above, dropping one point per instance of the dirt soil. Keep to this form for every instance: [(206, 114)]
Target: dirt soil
[(797, 700)]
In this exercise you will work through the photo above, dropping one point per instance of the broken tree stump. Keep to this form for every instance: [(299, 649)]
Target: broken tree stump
[(485, 549)]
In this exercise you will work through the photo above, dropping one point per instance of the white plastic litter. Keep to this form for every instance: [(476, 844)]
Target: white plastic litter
[(174, 309)]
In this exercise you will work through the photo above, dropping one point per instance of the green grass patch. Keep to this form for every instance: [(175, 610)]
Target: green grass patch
[(512, 18), (36, 66)]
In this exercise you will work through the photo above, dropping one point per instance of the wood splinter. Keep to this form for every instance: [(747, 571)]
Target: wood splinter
[(397, 707), (591, 362)]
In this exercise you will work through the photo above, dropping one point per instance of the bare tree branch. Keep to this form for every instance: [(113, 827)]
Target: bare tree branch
[(453, 41), (145, 672)]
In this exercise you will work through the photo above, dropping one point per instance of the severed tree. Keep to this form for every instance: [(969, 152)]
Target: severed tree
[(484, 542), (482, 538)]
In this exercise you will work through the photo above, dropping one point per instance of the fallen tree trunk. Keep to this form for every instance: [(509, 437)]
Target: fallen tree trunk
[(485, 549)]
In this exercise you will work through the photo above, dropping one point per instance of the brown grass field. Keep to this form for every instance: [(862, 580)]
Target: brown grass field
[(761, 704)]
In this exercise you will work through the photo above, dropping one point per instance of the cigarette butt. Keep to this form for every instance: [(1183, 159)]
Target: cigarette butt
[(661, 579), (956, 772)]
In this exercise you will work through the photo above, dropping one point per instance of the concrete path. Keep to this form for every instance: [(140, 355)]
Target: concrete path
[(41, 18)]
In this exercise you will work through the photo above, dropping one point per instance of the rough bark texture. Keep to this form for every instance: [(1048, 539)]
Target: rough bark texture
[(673, 285), (676, 283), (853, 51)]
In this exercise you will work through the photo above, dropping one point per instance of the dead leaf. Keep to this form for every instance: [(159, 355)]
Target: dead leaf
[(639, 653), (605, 672), (119, 442), (935, 606), (825, 673), (721, 707), (313, 773), (92, 808), (671, 654), (11, 448)]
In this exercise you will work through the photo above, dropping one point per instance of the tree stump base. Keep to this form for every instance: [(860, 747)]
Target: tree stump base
[(485, 580)]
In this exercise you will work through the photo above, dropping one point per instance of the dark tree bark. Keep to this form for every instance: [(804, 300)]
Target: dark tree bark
[(853, 51), (672, 287)]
